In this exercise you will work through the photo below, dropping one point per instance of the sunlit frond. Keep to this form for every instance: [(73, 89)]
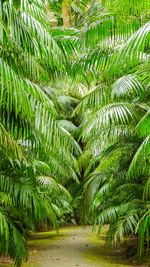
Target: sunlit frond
[(107, 116), (128, 87)]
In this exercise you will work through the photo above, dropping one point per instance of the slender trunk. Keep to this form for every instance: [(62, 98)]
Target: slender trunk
[(66, 13)]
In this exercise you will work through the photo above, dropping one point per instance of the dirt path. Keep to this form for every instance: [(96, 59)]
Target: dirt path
[(73, 247)]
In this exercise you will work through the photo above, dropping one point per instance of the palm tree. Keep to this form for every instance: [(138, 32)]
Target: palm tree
[(38, 155), (114, 125)]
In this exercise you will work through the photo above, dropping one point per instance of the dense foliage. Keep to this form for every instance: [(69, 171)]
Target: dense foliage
[(74, 117)]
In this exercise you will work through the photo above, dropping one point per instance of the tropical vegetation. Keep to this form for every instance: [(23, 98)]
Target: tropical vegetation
[(74, 119)]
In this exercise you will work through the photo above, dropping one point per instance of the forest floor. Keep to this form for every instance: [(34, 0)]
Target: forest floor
[(74, 246)]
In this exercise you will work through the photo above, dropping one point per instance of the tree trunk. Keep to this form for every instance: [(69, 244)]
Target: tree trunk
[(66, 13)]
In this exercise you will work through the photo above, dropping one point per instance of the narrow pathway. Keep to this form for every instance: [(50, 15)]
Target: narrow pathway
[(73, 247)]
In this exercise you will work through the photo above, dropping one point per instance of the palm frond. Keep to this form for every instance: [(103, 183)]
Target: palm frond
[(127, 8), (95, 98), (139, 164), (128, 87), (142, 127), (136, 48), (108, 116), (9, 145), (68, 125)]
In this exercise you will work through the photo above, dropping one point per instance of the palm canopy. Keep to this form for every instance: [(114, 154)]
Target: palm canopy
[(39, 153), (74, 106), (114, 127)]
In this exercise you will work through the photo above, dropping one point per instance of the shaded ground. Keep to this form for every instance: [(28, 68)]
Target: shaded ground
[(73, 247)]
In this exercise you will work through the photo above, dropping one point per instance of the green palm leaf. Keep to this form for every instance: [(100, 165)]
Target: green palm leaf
[(128, 87), (108, 116), (139, 164)]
